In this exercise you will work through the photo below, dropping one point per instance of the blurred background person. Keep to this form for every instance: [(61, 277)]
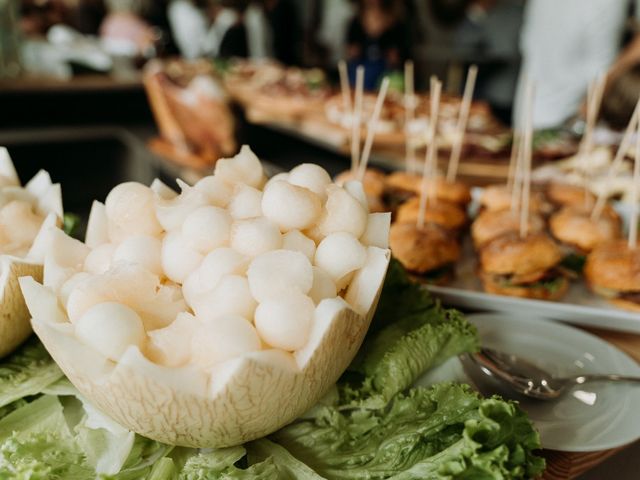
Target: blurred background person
[(377, 39), (124, 30), (565, 45), (215, 28)]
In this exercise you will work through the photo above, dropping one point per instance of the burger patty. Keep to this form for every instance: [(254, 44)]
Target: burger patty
[(630, 297), (549, 280)]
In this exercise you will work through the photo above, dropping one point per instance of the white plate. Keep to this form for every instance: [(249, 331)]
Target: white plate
[(592, 417), (579, 305)]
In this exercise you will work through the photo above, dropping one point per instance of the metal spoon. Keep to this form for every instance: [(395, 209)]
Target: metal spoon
[(530, 380)]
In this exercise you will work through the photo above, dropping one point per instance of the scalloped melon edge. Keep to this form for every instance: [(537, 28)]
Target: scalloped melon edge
[(237, 401)]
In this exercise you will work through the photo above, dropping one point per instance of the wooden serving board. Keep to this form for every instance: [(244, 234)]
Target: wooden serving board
[(564, 465)]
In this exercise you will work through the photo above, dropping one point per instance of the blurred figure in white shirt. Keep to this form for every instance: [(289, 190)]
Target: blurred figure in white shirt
[(565, 45)]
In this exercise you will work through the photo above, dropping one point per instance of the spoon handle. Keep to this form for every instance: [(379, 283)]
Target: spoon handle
[(608, 378)]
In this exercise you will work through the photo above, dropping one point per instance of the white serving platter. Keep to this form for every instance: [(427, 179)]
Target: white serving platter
[(579, 306)]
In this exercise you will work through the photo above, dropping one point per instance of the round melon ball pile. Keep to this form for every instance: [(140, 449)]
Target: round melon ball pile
[(231, 265)]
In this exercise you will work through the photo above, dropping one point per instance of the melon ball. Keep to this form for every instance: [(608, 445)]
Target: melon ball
[(171, 346), (230, 296), (221, 261), (245, 167), (110, 328), (207, 228), (217, 264), (311, 176), (81, 299), (100, 258), (222, 339), (340, 254), (217, 191), (278, 176), (173, 212), (298, 242), (21, 222), (70, 285), (142, 250), (130, 209), (285, 322), (342, 213), (290, 206), (254, 236), (279, 272), (246, 202), (323, 286), (178, 259)]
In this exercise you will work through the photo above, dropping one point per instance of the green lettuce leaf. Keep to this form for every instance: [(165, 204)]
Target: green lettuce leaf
[(410, 334), (444, 432), (26, 372)]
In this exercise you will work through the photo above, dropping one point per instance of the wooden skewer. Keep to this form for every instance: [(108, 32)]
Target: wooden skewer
[(633, 224), (516, 190), (526, 163), (625, 144), (344, 87), (513, 159), (461, 126), (409, 114), (429, 167), (356, 118), (372, 127), (594, 98)]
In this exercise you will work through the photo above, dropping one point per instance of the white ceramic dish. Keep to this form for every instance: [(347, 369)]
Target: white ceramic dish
[(592, 417)]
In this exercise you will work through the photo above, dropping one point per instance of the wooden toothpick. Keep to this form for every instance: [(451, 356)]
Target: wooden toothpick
[(625, 144), (526, 160), (461, 126), (372, 128), (409, 115), (429, 167), (356, 119)]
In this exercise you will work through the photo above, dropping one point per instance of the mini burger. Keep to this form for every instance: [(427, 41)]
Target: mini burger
[(373, 184), (444, 214), (499, 197), (402, 185), (429, 251), (491, 224), (579, 234), (613, 271), (563, 194), (523, 267)]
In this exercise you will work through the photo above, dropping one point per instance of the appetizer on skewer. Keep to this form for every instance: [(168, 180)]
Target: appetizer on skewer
[(491, 224), (524, 267), (444, 214), (429, 250), (579, 233), (612, 270)]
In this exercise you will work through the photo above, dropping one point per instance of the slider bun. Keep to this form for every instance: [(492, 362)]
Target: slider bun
[(498, 197), (454, 192), (539, 293), (423, 249), (448, 215), (573, 226), (509, 254), (563, 194), (614, 266), (491, 224)]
